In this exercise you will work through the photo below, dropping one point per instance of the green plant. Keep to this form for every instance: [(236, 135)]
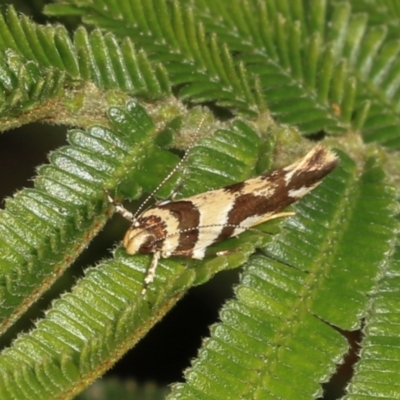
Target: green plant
[(288, 73)]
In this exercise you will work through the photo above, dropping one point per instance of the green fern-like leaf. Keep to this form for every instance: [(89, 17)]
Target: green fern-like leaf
[(373, 58), (41, 67), (263, 70), (45, 229), (377, 370), (323, 69), (288, 49), (289, 299)]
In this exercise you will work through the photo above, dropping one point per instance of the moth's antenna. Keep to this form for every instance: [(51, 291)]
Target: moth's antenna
[(177, 166)]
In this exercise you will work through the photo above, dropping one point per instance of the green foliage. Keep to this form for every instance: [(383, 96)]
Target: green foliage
[(41, 68), (44, 229), (273, 339), (377, 370), (328, 68)]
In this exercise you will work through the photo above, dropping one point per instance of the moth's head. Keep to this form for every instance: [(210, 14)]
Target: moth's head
[(138, 240), (144, 236)]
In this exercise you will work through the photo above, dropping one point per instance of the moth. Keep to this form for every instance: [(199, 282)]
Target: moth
[(187, 227)]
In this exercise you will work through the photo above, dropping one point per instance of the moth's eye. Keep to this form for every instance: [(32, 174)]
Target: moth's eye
[(147, 246), (144, 249)]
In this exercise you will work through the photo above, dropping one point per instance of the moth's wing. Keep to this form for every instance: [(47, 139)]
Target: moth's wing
[(185, 232), (213, 216)]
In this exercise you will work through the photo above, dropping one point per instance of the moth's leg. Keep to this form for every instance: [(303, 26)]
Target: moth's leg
[(226, 252), (279, 215), (179, 253), (151, 272), (175, 192), (119, 208), (188, 253)]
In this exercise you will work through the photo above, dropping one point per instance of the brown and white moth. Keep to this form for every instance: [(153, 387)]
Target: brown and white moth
[(187, 227)]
